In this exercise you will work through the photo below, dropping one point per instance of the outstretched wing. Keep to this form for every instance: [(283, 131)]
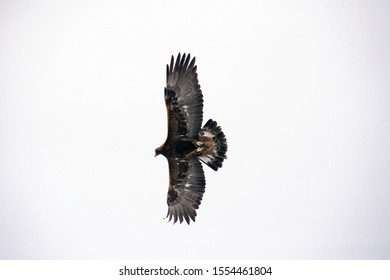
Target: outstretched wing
[(186, 188), (183, 98)]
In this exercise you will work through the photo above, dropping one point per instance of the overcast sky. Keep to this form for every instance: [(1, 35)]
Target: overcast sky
[(300, 88)]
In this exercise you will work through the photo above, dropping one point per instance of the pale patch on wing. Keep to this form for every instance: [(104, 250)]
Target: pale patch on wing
[(185, 108)]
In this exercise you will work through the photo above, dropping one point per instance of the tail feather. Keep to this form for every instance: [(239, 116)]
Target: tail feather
[(215, 145)]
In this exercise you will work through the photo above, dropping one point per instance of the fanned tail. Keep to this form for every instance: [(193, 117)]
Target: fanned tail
[(213, 145)]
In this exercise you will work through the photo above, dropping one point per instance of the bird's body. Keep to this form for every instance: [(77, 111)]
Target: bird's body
[(187, 142)]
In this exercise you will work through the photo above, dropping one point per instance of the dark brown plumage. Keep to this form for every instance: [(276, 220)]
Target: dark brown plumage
[(187, 142)]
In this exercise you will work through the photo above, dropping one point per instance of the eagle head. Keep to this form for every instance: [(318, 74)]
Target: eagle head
[(159, 150)]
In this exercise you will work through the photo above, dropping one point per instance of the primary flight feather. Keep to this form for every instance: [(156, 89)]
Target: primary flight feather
[(187, 141)]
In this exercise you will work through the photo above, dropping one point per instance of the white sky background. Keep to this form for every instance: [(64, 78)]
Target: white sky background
[(300, 88)]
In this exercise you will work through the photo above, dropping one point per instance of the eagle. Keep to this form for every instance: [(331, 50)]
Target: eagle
[(188, 143)]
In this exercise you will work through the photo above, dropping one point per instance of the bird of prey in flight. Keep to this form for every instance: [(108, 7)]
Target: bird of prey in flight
[(188, 142)]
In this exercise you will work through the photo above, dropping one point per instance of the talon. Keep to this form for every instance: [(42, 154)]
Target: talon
[(199, 143), (199, 149)]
